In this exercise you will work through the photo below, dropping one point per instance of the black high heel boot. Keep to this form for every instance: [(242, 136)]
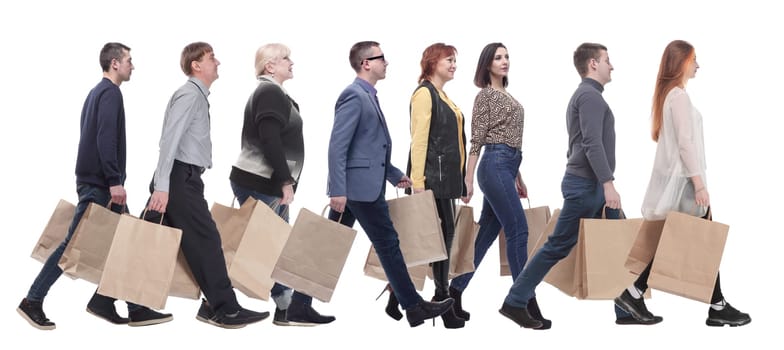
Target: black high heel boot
[(458, 307), (392, 304), (533, 309), (451, 321)]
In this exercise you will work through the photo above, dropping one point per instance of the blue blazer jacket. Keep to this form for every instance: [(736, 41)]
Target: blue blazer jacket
[(359, 148)]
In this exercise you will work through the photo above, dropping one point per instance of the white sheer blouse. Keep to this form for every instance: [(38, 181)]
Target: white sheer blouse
[(680, 154)]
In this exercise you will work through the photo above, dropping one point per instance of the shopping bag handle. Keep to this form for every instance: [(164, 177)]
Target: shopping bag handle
[(323, 211), (620, 210), (144, 213), (274, 205)]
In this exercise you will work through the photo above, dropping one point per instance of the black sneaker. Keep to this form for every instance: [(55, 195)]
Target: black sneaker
[(103, 307), (280, 318), (520, 316), (237, 319), (300, 314), (727, 316), (629, 320), (33, 312), (636, 307), (147, 317)]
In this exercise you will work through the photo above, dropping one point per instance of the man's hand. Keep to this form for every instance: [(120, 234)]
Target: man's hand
[(119, 196), (611, 197), (338, 203), (404, 182)]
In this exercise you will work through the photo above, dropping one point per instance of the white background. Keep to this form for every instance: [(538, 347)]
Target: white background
[(49, 58)]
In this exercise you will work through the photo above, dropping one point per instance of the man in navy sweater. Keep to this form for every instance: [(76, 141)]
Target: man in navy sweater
[(100, 175)]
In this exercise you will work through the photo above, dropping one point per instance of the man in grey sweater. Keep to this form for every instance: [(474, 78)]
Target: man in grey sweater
[(587, 185)]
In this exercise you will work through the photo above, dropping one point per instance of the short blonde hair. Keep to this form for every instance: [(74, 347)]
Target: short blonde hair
[(268, 53)]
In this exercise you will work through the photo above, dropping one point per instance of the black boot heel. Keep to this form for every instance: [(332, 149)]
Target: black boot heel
[(392, 304)]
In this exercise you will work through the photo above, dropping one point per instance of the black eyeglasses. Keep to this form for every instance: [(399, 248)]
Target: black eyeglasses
[(381, 57)]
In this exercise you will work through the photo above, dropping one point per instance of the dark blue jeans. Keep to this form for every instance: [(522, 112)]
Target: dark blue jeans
[(501, 207), (50, 272), (242, 194), (583, 198), (375, 221)]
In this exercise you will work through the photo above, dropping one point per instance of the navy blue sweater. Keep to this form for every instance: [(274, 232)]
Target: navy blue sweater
[(101, 158)]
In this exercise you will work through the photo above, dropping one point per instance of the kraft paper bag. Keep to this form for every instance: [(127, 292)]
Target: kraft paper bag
[(688, 256), (314, 255), (253, 237), (537, 219), (55, 231), (561, 275), (602, 248), (644, 247), (374, 269), (141, 262), (85, 254), (461, 255), (418, 226), (183, 284)]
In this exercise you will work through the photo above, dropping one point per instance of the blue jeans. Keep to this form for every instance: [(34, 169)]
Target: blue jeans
[(583, 198), (242, 194), (375, 221), (50, 272), (501, 207)]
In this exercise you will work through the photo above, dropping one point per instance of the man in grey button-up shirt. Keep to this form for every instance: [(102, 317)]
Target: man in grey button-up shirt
[(177, 189)]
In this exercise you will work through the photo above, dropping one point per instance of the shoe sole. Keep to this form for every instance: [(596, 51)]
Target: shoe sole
[(32, 323), (518, 323), (712, 322), (281, 323), (216, 324), (91, 312), (151, 322), (634, 321)]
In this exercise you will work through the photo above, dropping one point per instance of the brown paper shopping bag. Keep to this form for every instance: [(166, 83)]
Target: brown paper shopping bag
[(562, 274), (253, 237), (644, 247), (688, 256), (86, 252), (461, 255), (314, 255), (55, 231), (183, 284), (418, 226), (601, 250), (141, 262), (374, 269), (537, 219)]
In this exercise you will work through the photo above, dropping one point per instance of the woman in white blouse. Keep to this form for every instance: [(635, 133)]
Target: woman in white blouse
[(678, 180)]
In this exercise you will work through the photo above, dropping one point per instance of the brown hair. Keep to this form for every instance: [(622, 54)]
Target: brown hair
[(482, 74), (431, 56), (585, 52), (673, 64), (193, 52), (359, 53), (109, 52)]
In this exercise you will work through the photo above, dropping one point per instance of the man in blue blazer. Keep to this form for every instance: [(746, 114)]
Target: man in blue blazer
[(360, 149)]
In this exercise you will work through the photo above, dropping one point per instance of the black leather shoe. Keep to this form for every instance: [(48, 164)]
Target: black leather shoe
[(520, 316), (426, 310), (103, 307), (33, 313), (450, 319), (237, 319), (635, 307), (301, 314), (392, 304), (728, 316), (533, 310), (280, 318), (458, 296), (629, 320), (147, 317)]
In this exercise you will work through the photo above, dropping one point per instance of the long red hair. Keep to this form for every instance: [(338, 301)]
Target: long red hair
[(672, 69)]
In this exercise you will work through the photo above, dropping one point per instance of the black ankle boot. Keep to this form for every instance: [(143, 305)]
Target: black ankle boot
[(424, 310), (533, 310), (392, 304), (458, 307), (450, 319)]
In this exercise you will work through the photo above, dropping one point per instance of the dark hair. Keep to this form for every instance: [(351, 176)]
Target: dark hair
[(482, 75), (673, 65), (431, 56), (585, 52), (109, 52), (359, 52), (193, 52)]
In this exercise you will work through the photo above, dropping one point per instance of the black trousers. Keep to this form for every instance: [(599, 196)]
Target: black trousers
[(446, 212), (201, 243)]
